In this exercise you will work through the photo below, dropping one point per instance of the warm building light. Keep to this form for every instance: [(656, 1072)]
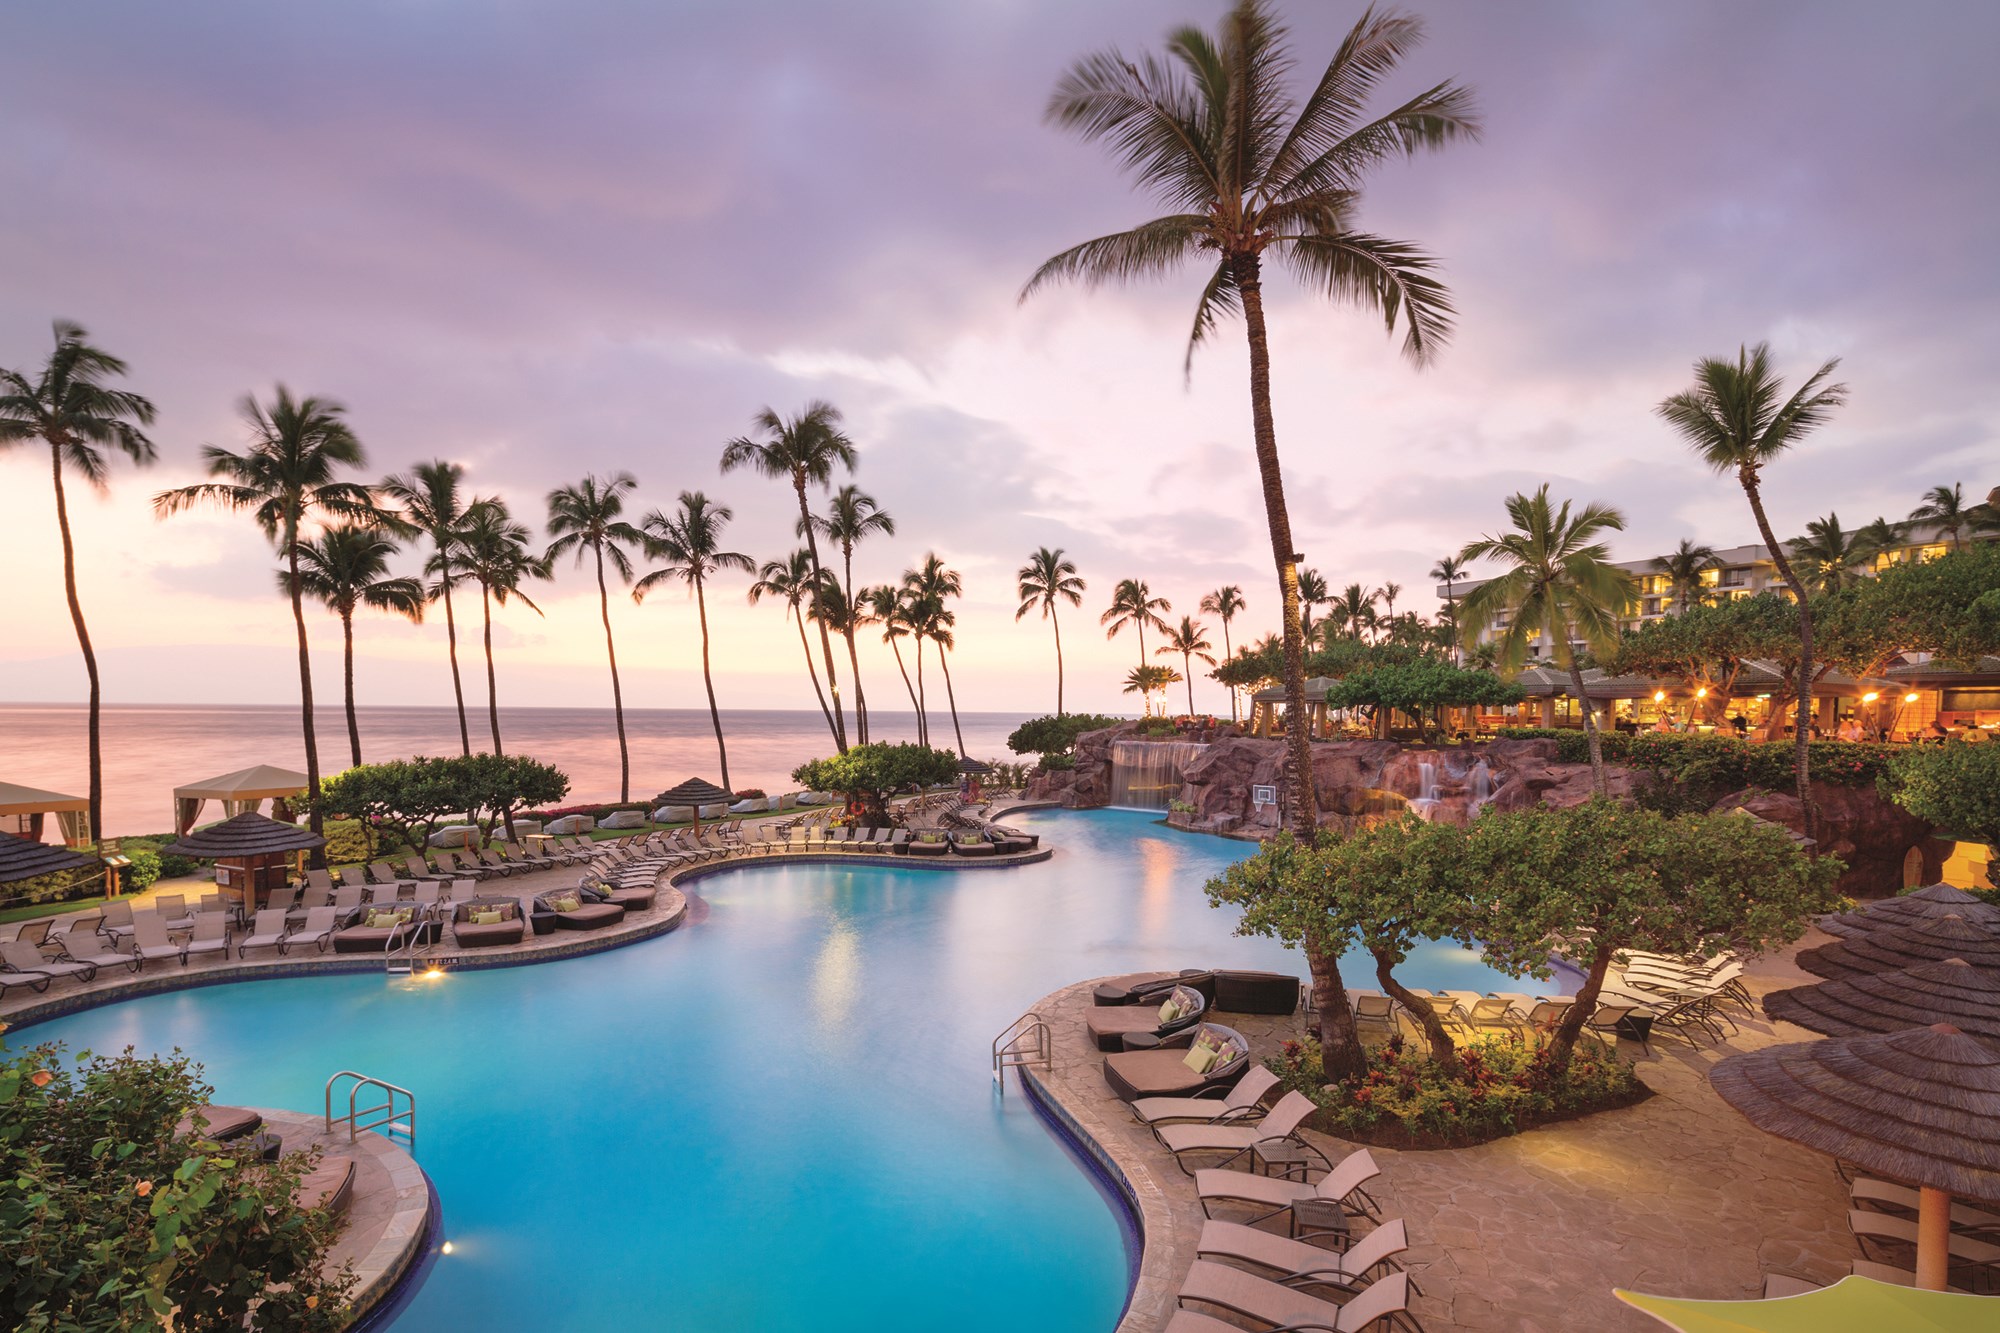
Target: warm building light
[(1910, 698), (1659, 696), (1701, 693), (1870, 697)]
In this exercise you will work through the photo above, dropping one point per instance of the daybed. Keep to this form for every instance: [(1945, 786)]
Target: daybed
[(383, 929), (482, 923), (1149, 987), (927, 844), (1164, 1071), (1111, 1025), (569, 910)]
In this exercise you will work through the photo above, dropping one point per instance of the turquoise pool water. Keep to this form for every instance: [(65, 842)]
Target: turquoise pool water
[(780, 1117)]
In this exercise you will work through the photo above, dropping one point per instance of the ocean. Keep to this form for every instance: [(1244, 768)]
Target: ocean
[(151, 749)]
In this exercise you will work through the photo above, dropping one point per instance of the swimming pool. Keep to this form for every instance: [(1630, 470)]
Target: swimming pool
[(780, 1117)]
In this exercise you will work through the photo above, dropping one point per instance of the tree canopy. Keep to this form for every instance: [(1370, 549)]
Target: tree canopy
[(1955, 786), (869, 774), (1414, 687), (410, 797), (1055, 734)]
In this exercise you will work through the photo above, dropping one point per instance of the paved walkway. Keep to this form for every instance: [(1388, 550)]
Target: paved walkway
[(1679, 1195)]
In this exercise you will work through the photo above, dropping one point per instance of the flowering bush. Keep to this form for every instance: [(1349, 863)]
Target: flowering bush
[(752, 794)]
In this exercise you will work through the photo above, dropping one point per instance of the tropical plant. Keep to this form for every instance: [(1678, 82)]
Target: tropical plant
[(804, 450), (852, 515), (929, 585), (1248, 173), (1560, 581), (427, 501), (345, 569), (1389, 592), (794, 582), (1225, 603), (1354, 608), (1055, 736), (1738, 420), (869, 774), (287, 477), (409, 798), (1312, 592), (1188, 640), (1133, 604), (688, 546), (1683, 570), (1049, 577), (493, 551), (1946, 507), (1828, 554), (69, 407), (1876, 539), (586, 518), (1146, 681), (1449, 570)]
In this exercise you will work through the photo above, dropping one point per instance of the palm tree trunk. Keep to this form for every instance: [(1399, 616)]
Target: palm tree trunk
[(305, 697), (1056, 624), (1340, 1045), (492, 683), (799, 615), (923, 715), (1227, 655), (347, 674), (897, 648), (1187, 674), (1802, 714), (825, 641), (89, 654), (1597, 781), (853, 654), (617, 696), (708, 682), (944, 661), (451, 642)]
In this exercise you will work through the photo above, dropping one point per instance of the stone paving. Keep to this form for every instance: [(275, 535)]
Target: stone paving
[(1678, 1195)]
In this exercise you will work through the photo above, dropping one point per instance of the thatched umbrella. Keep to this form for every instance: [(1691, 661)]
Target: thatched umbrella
[(259, 849), (975, 767), (1891, 948), (1921, 1106), (1952, 992), (24, 858), (1924, 904), (695, 793)]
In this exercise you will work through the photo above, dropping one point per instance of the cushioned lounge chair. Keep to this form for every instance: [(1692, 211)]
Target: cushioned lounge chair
[(1165, 1072), (1295, 1261), (1268, 1196), (471, 933), (21, 956), (1138, 987), (1109, 1025), (374, 932), (1234, 1143), (1223, 1106), (1380, 1305), (637, 897), (1256, 992), (583, 916)]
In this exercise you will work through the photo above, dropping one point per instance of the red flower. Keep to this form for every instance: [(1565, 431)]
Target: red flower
[(40, 1078)]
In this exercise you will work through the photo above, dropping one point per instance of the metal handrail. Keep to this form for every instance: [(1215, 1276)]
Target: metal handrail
[(392, 1119), (1012, 1047)]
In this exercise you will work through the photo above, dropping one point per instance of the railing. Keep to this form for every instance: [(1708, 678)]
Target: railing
[(1025, 1041), (395, 1115), (402, 950)]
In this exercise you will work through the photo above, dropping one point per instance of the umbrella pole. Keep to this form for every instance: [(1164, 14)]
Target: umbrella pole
[(1933, 1238)]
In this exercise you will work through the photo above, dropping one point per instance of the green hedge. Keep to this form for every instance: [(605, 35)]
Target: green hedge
[(1722, 761)]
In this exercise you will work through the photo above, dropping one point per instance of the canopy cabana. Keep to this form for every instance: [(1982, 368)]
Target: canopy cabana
[(253, 855), (245, 789), (30, 804)]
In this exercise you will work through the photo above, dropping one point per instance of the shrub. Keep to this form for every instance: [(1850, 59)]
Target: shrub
[(1058, 763), (1722, 762), (1055, 734), (749, 794), (1157, 726), (145, 869), (1955, 786), (348, 842)]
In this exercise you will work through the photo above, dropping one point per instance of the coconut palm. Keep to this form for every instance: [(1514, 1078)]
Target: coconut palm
[(1133, 603), (1946, 507), (1449, 570), (1312, 592), (687, 544), (1146, 681), (68, 406), (1354, 608), (345, 569), (493, 551), (929, 586), (286, 478), (852, 515), (1828, 555), (804, 450), (1739, 421), (1049, 577), (585, 518), (1874, 540), (1389, 592), (1246, 174), (1684, 568), (1224, 604), (794, 582), (887, 606), (1189, 640), (426, 500), (1559, 581)]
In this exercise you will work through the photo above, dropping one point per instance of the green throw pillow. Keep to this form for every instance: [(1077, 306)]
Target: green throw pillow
[(565, 904), (492, 918), (381, 920), (1200, 1059)]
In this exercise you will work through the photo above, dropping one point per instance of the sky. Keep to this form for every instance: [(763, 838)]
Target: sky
[(548, 239)]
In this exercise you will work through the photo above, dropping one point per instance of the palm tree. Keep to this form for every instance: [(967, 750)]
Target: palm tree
[(1133, 603), (68, 407), (804, 449), (1945, 506), (427, 501), (929, 585), (688, 543), (1146, 681), (1190, 640), (1212, 131), (1560, 580), (348, 568), (1355, 608), (1684, 569), (493, 550), (1449, 570), (286, 477), (888, 607), (1312, 592), (1389, 592), (1878, 538), (586, 518), (793, 582), (1049, 577), (1737, 420), (1225, 603), (1828, 554), (850, 516)]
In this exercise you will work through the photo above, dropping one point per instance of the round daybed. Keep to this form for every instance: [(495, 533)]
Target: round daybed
[(1110, 1025), (1163, 1071), (1140, 987)]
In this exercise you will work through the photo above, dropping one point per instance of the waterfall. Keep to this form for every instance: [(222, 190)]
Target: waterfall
[(1427, 789), (1481, 779), (1146, 775)]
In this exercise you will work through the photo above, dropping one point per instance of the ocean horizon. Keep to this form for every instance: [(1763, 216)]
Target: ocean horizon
[(149, 749)]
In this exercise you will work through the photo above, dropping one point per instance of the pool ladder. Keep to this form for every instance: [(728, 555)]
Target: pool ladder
[(398, 1108), (402, 960), (1025, 1041)]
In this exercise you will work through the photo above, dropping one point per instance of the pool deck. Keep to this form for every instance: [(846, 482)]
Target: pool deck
[(1678, 1195)]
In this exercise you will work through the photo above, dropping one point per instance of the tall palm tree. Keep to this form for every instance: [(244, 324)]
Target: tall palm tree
[(794, 582), (803, 450), (494, 553), (1312, 592), (1212, 131), (345, 569), (1449, 570), (1146, 681), (1828, 554), (69, 407), (427, 501), (1738, 420), (1559, 580), (1225, 603), (1133, 603), (1389, 592), (1049, 577), (1876, 539), (851, 515), (889, 608), (1946, 507), (930, 585), (688, 545), (288, 476), (1189, 639), (586, 518), (1355, 608), (1684, 568)]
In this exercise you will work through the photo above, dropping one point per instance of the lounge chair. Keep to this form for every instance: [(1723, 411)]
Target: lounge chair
[(320, 925), (385, 895), (420, 869), (1165, 1072), (23, 957), (86, 947), (315, 896), (211, 935), (1297, 1262), (489, 857), (1110, 1025), (572, 912), (70, 933), (1346, 1185), (381, 872), (267, 931), (284, 900), (531, 861), (33, 932), (431, 892), (1141, 987), (219, 1124), (37, 981), (1374, 1007), (173, 911), (1236, 1143), (153, 945), (482, 923), (633, 898), (1886, 1196), (1620, 1017), (1877, 1233), (1491, 1011), (900, 843), (1384, 1303), (347, 899), (1244, 1102), (117, 919), (449, 867), (322, 880)]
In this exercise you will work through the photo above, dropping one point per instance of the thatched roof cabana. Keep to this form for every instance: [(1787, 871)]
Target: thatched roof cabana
[(24, 858), (1953, 991), (1924, 904), (1890, 948), (252, 854), (695, 793)]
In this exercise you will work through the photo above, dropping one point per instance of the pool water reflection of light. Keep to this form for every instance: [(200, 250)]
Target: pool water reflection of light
[(780, 1117)]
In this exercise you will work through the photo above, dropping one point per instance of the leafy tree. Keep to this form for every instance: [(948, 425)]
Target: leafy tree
[(1248, 174), (1707, 646), (69, 407), (493, 551), (1146, 681), (586, 517), (1955, 786), (345, 569), (1188, 640), (868, 775), (852, 515), (410, 797), (1055, 735), (1049, 577), (1225, 604), (1684, 568), (426, 500), (1420, 688), (688, 545), (801, 588), (1945, 506)]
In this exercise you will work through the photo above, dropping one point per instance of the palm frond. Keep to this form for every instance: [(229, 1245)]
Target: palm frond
[(1150, 249), (1392, 277)]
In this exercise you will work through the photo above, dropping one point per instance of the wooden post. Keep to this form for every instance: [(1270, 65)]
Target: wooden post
[(1933, 1238)]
